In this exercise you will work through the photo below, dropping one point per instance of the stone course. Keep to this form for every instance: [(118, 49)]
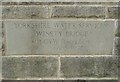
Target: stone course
[(60, 40)]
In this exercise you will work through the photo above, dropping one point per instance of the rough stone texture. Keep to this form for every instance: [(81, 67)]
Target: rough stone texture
[(78, 11), (96, 39), (29, 67), (117, 46), (117, 34), (113, 12), (43, 11), (59, 37), (25, 11), (118, 54), (59, 3), (102, 81), (60, 81), (117, 31), (99, 67), (0, 35), (0, 50), (108, 1)]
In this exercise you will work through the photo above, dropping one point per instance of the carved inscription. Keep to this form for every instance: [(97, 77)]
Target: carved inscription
[(59, 37)]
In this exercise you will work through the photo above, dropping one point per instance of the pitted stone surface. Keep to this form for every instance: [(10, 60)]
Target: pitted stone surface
[(60, 1), (53, 39), (29, 67), (113, 12), (25, 11), (78, 11), (89, 67), (0, 35)]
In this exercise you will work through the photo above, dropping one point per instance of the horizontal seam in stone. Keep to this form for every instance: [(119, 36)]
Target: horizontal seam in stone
[(63, 19), (85, 78), (60, 56)]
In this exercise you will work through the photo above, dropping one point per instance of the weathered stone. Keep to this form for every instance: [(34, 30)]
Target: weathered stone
[(59, 81), (113, 12), (29, 67), (59, 3), (59, 37), (117, 46), (106, 66), (21, 81), (84, 67), (102, 81), (25, 11), (108, 1), (0, 35), (117, 28), (78, 11)]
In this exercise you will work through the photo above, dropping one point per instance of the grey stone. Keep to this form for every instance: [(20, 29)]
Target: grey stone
[(119, 68), (89, 67), (29, 67), (25, 11), (0, 11), (118, 28), (77, 67), (113, 12), (117, 46), (106, 66), (89, 37), (78, 11), (59, 3), (0, 35), (0, 50), (59, 81), (22, 81), (41, 81), (102, 81), (109, 1)]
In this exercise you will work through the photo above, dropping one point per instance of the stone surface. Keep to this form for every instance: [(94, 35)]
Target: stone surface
[(117, 46), (118, 29), (99, 67), (43, 11), (65, 34), (78, 11), (60, 1), (25, 11), (59, 37), (0, 50), (0, 35), (59, 81), (29, 67), (113, 12), (102, 81)]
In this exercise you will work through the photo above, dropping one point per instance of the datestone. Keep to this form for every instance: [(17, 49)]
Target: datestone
[(63, 36)]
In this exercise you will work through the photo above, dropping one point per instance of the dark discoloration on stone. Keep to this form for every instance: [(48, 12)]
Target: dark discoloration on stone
[(117, 46), (113, 12), (117, 34), (99, 67), (44, 11), (25, 12), (77, 67), (78, 11), (29, 67), (59, 3), (60, 81)]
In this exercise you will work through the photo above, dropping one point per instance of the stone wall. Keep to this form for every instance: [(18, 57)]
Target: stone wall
[(59, 40)]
